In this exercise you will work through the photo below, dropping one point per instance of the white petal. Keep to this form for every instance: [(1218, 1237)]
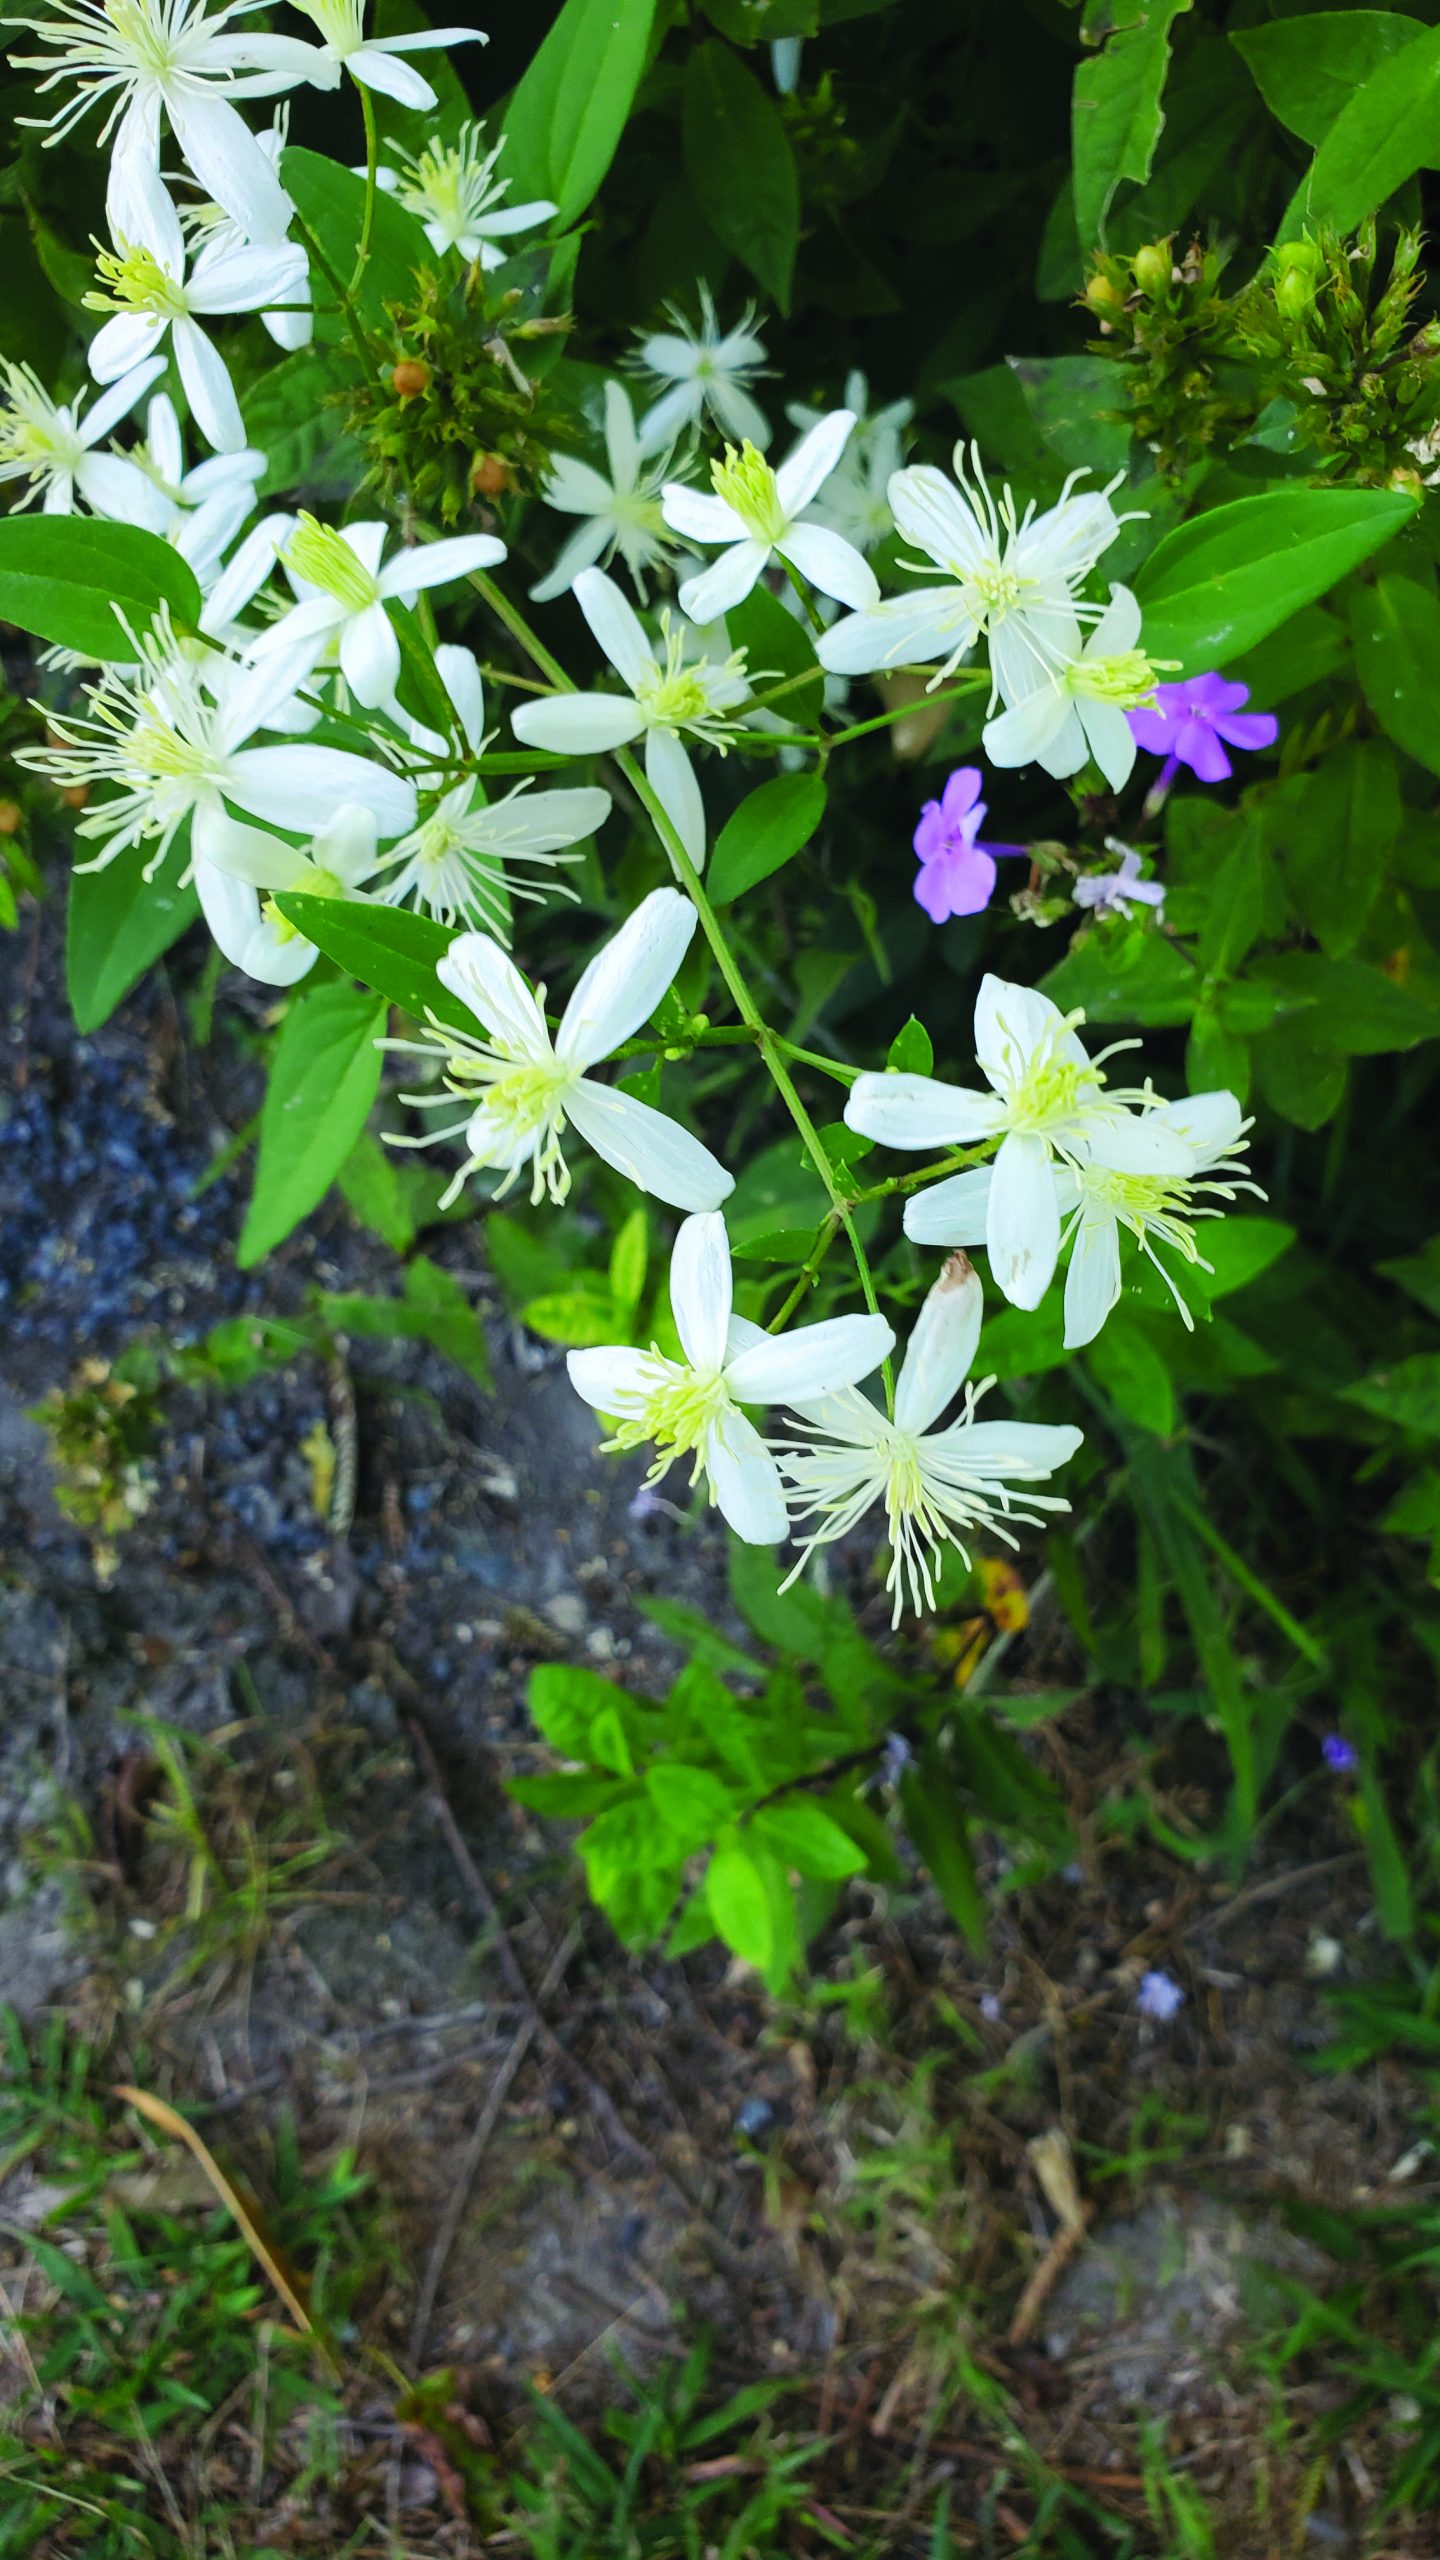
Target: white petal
[(814, 458), (738, 416), (648, 1147), (208, 387), (955, 1211), (746, 1481), (376, 69), (434, 564), (700, 1292), (246, 279), (576, 488), (131, 338), (1023, 734), (919, 1111), (672, 412), (1031, 647), (539, 821), (832, 564), (942, 1347), (1023, 1234), (486, 979), (114, 487), (931, 512), (610, 1376), (904, 631), (1107, 735), (1011, 1023), (232, 912), (370, 656), (1211, 1123), (142, 214), (627, 978), (345, 845), (1118, 628), (672, 778), (699, 514), (117, 403), (225, 156), (583, 548), (1068, 539), (1092, 1283), (998, 1450), (726, 583), (616, 626), (1139, 1142), (246, 853), (301, 786), (578, 724), (459, 671), (810, 1360)]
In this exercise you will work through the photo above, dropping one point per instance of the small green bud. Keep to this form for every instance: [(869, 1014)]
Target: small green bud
[(1152, 269)]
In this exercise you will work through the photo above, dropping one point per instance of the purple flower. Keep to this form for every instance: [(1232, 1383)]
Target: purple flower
[(1340, 1755), (1159, 1997), (1116, 891), (1185, 723), (957, 872)]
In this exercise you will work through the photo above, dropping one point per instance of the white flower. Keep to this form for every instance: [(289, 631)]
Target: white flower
[(1094, 1200), (143, 282), (692, 1407), (1115, 892), (1062, 714), (1012, 579), (460, 862), (706, 368), (51, 445), (212, 233), (1048, 1100), (452, 190), (176, 745), (855, 501), (343, 587), (622, 513), (520, 1087), (203, 508), (250, 932), (755, 512), (374, 60), (137, 57), (668, 696), (936, 1486)]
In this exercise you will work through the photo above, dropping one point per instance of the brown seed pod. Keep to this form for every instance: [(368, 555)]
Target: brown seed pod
[(490, 475), (409, 378)]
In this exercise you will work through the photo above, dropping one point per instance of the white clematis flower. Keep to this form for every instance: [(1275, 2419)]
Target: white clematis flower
[(1094, 1201), (1048, 1101), (756, 513), (375, 61), (1067, 713), (461, 862), (936, 1485), (620, 514), (520, 1087), (212, 233), (174, 737), (344, 586), (142, 281), (855, 501), (454, 193), (248, 928), (669, 698), (52, 445), (691, 1408), (1011, 579), (205, 505), (139, 58), (704, 368)]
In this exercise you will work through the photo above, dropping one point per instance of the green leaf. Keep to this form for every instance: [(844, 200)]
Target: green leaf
[(387, 1193), (1128, 973), (801, 1836), (1225, 580), (1353, 1010), (740, 165), (1117, 118), (564, 1700), (796, 1622), (1395, 631), (323, 1078), (564, 122), (628, 1262), (434, 1309), (739, 1900), (582, 1317), (330, 201), (1389, 1874), (1406, 1392), (937, 1821), (386, 948), (1307, 69), (693, 1802), (64, 577), (1337, 837), (911, 1052), (767, 830), (1386, 131), (117, 923), (1133, 1375), (1236, 904)]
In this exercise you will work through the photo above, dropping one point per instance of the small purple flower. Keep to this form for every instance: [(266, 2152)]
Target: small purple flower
[(957, 872), (1186, 723), (991, 2008), (1115, 892), (1340, 1755), (1159, 1997)]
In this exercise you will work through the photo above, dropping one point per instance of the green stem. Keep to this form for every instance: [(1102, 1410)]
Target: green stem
[(372, 172), (765, 1039), (904, 711)]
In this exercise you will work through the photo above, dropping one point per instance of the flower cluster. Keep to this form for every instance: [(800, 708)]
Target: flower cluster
[(310, 734)]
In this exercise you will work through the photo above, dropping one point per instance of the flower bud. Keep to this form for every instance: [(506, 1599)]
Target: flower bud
[(1103, 295), (409, 378), (490, 475), (1151, 268)]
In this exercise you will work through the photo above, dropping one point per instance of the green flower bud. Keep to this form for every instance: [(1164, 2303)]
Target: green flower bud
[(1151, 268)]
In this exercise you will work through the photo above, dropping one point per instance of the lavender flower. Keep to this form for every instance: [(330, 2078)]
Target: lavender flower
[(1159, 1997), (1115, 892), (957, 871), (1340, 1755), (1186, 724)]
